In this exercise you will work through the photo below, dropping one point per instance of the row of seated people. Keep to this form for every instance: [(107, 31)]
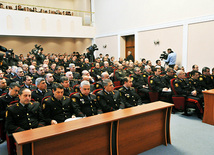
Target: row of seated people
[(23, 113), (34, 9)]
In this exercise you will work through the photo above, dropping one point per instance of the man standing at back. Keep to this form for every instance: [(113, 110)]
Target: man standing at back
[(171, 59)]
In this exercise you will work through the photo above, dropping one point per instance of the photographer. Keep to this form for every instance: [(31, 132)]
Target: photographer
[(90, 52), (3, 64), (171, 59)]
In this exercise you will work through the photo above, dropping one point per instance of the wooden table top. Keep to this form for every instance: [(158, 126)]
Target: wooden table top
[(211, 91), (65, 127)]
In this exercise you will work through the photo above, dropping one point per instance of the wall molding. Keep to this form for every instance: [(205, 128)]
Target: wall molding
[(160, 26)]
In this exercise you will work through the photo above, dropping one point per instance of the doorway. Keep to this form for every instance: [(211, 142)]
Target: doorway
[(130, 45)]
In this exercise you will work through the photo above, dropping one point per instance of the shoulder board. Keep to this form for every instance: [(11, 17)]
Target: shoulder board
[(121, 89)]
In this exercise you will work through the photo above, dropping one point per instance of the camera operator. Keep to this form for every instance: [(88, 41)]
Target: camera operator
[(171, 59), (90, 52)]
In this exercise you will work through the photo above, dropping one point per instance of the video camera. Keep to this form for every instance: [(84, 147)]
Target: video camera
[(92, 48), (164, 55), (9, 52), (36, 49)]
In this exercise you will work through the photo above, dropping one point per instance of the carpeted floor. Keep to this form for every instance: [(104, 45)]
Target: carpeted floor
[(189, 136)]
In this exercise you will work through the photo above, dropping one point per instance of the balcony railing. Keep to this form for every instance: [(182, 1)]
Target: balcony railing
[(86, 16)]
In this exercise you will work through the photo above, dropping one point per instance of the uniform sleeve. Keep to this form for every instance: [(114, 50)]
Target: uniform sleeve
[(10, 125), (102, 103), (41, 118), (47, 112), (75, 105), (123, 100)]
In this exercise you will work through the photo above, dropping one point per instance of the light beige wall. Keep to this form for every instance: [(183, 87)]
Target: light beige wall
[(168, 38), (111, 48), (114, 16), (200, 45), (83, 5), (22, 45)]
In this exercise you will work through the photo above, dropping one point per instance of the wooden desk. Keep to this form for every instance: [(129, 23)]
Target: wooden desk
[(137, 130), (208, 107)]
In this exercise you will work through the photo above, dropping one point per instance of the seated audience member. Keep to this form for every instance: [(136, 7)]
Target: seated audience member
[(85, 104), (158, 63), (108, 69), (182, 87), (49, 80), (72, 81), (41, 90), (12, 95), (99, 84), (85, 72), (194, 82), (58, 74), (139, 81), (149, 63), (158, 85), (86, 66), (16, 119), (24, 115), (129, 97), (3, 86), (19, 77), (28, 83), (120, 73), (96, 72), (72, 68), (65, 83), (130, 69), (25, 69), (205, 79), (57, 108), (40, 73), (108, 98), (168, 77)]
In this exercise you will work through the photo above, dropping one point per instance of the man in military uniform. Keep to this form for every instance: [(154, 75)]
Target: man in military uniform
[(128, 94), (86, 66), (57, 74), (3, 86), (49, 80), (99, 84), (41, 90), (19, 77), (4, 103), (96, 72), (139, 82), (9, 97), (16, 119), (194, 82), (28, 83), (205, 79), (182, 87), (85, 104), (108, 69), (147, 72), (32, 73), (65, 83), (158, 85), (72, 81), (168, 77), (120, 74), (58, 107), (40, 73), (108, 98), (72, 68), (130, 70)]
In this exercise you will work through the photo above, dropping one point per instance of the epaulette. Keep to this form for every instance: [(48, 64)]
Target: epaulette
[(121, 89)]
